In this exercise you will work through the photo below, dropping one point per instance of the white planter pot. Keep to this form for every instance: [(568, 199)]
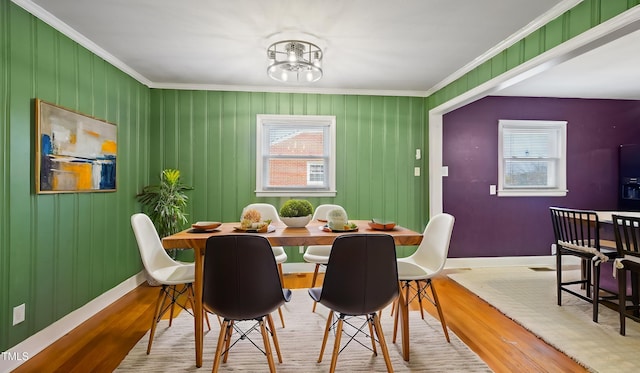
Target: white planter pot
[(296, 222)]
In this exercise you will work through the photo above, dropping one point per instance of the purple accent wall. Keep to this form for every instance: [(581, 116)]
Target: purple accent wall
[(489, 225)]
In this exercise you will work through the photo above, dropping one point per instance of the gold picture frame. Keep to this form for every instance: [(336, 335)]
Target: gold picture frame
[(74, 152)]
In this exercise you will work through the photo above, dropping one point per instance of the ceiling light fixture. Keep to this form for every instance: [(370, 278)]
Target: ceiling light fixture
[(294, 61)]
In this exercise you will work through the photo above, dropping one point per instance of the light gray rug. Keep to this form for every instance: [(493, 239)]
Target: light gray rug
[(529, 298), (300, 340)]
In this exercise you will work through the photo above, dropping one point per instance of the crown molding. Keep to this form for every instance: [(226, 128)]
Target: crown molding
[(74, 35), (534, 25)]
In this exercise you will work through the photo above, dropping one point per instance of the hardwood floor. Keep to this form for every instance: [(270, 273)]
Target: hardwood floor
[(100, 344)]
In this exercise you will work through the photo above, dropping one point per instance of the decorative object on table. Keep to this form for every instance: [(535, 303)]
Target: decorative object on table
[(74, 152), (296, 213), (381, 225), (166, 203), (206, 226), (252, 222), (349, 227), (337, 220)]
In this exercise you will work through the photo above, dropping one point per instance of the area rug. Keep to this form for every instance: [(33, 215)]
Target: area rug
[(300, 340), (528, 296)]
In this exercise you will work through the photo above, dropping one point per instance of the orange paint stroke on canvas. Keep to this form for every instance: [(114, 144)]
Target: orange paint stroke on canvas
[(109, 147), (82, 173), (92, 133)]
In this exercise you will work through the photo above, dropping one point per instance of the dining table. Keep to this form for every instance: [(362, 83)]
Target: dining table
[(315, 233)]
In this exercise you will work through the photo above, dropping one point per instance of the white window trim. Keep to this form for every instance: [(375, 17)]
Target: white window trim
[(561, 189), (264, 119)]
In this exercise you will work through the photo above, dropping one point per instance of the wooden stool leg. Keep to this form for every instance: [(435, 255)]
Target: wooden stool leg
[(222, 337), (275, 337), (313, 284), (439, 308), (383, 343), (326, 335), (336, 346), (267, 347)]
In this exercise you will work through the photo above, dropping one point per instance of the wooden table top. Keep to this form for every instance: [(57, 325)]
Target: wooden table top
[(312, 234)]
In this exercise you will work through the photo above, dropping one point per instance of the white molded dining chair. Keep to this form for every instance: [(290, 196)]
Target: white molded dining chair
[(319, 254), (426, 263), (269, 212), (167, 272)]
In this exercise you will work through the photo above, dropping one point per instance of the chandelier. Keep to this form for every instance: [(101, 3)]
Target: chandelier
[(294, 61)]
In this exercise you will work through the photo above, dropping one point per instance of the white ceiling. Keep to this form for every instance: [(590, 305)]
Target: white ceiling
[(406, 47)]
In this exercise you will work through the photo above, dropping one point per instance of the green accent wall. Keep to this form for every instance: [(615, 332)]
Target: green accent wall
[(59, 251), (211, 137)]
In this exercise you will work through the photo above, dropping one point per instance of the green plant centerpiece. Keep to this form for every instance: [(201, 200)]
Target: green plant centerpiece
[(165, 203), (296, 213)]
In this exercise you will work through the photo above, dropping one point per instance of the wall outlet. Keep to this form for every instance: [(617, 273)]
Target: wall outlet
[(492, 190), (416, 171), (18, 314)]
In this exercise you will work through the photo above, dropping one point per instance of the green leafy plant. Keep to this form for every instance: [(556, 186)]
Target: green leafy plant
[(296, 207), (166, 202)]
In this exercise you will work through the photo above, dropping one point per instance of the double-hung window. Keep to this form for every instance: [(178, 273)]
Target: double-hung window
[(532, 158), (295, 155)]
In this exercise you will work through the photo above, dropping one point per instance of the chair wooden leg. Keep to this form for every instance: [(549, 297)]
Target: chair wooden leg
[(154, 321), (326, 335), (281, 282), (281, 316), (276, 344), (395, 320), (336, 346), (622, 298), (371, 333), (267, 346), (313, 284), (228, 341), (222, 337), (404, 286), (383, 343), (439, 308)]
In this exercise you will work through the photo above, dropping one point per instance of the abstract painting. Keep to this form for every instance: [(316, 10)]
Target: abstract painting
[(74, 152)]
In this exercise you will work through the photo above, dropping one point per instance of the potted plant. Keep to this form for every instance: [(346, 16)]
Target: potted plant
[(165, 203), (296, 213)]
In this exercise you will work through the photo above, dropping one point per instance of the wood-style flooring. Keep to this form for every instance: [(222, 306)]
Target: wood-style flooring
[(100, 343)]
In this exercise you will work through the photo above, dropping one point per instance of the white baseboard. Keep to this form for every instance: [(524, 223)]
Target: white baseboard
[(539, 261), (18, 354)]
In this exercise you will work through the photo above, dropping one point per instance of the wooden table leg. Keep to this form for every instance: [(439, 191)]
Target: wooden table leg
[(403, 310), (198, 309)]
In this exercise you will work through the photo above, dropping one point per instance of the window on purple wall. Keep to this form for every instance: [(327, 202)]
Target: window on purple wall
[(532, 158)]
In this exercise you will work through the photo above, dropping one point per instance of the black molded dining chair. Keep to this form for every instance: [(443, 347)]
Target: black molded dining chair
[(241, 283), (361, 279)]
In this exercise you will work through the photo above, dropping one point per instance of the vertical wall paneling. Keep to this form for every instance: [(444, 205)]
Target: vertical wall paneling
[(215, 132), (4, 158), (60, 251)]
